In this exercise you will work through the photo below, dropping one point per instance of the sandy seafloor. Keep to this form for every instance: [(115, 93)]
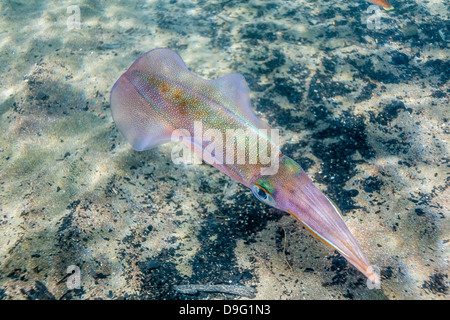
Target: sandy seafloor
[(365, 112)]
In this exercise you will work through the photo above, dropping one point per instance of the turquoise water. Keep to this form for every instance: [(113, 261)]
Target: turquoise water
[(361, 99)]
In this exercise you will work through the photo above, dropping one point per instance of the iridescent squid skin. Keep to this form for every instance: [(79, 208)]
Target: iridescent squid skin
[(158, 96)]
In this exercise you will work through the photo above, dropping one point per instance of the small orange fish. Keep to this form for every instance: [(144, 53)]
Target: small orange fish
[(382, 3)]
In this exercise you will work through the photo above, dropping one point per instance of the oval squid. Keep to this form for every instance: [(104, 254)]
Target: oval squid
[(158, 99), (383, 3)]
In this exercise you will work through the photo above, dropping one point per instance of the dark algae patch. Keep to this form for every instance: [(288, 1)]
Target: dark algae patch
[(437, 284), (366, 92), (39, 292), (159, 277), (372, 184), (276, 115), (322, 87), (337, 157), (389, 112), (344, 276), (439, 68)]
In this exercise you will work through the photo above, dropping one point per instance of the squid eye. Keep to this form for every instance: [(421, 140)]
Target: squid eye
[(263, 196)]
